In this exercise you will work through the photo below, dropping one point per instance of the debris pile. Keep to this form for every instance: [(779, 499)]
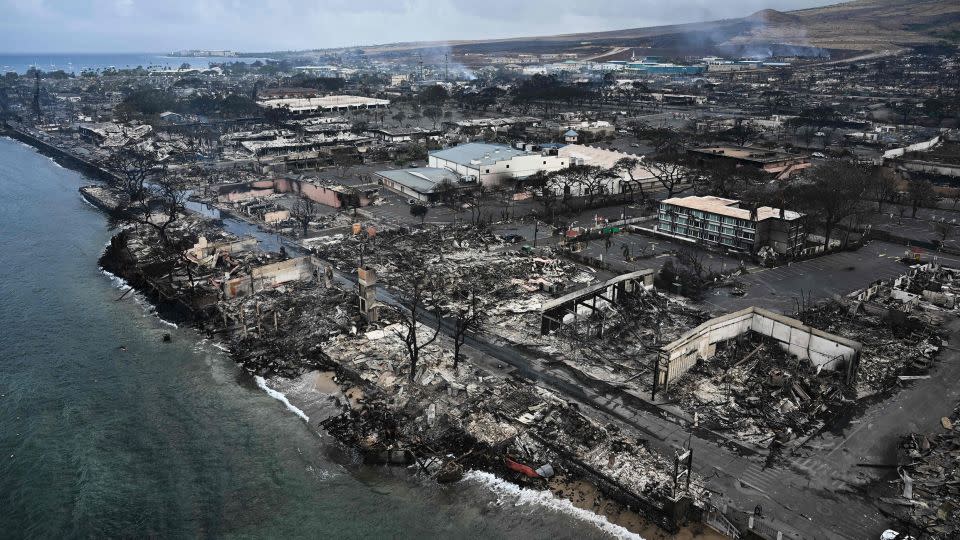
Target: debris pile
[(759, 392), (626, 351), (929, 286), (283, 331), (929, 486), (897, 346)]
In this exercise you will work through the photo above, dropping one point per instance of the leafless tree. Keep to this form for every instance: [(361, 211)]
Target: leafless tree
[(477, 199), (832, 193), (628, 166), (921, 194), (883, 186), (434, 114), (134, 168), (420, 292), (167, 204), (670, 170), (468, 316), (302, 212)]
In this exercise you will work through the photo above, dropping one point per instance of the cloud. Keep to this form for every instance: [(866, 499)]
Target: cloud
[(269, 25)]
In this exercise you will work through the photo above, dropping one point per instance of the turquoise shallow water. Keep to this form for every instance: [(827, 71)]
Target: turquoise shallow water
[(168, 439)]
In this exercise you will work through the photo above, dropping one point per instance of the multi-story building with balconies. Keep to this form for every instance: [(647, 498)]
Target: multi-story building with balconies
[(726, 223)]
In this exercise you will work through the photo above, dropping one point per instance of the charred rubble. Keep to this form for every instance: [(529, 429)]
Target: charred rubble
[(758, 392), (295, 324), (928, 489)]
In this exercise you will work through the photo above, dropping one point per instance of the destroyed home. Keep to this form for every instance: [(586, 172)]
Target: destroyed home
[(780, 165)]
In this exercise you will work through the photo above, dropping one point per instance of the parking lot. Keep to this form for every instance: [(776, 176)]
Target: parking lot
[(780, 288)]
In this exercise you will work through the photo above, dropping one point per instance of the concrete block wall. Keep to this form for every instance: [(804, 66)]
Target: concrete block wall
[(272, 275), (823, 350)]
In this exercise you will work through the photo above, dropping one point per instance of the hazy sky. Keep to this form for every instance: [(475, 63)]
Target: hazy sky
[(270, 25)]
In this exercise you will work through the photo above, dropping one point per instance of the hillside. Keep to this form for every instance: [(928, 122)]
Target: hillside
[(860, 25)]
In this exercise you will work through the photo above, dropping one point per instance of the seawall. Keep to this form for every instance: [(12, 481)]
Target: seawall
[(60, 155)]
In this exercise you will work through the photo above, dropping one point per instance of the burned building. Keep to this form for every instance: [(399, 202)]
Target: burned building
[(774, 163)]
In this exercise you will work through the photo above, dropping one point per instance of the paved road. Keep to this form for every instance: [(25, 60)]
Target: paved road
[(800, 501), (808, 499)]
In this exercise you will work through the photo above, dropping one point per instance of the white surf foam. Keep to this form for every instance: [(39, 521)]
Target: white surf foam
[(91, 205), (280, 397), (148, 307), (513, 494), (117, 281)]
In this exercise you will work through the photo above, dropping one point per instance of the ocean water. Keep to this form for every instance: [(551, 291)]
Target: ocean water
[(106, 431), (75, 63)]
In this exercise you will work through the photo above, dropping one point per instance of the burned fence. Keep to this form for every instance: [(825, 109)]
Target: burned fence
[(566, 310), (824, 351)]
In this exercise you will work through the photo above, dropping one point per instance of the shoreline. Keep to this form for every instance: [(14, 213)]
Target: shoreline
[(171, 308)]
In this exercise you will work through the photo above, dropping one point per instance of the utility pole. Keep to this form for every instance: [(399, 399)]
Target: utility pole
[(446, 67)]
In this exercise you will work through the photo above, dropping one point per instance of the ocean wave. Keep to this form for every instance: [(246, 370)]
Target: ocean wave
[(117, 281), (151, 309), (91, 205), (262, 383), (147, 306), (511, 493)]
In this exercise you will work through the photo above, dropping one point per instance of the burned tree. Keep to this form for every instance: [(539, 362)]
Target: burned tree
[(420, 291), (628, 166), (302, 212), (832, 195), (921, 194), (420, 211), (726, 179), (883, 186), (596, 182), (166, 205), (687, 273), (468, 316), (134, 168), (668, 165), (669, 170)]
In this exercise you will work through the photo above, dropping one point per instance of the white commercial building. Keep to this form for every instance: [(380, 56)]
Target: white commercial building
[(316, 105), (491, 164), (642, 180)]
